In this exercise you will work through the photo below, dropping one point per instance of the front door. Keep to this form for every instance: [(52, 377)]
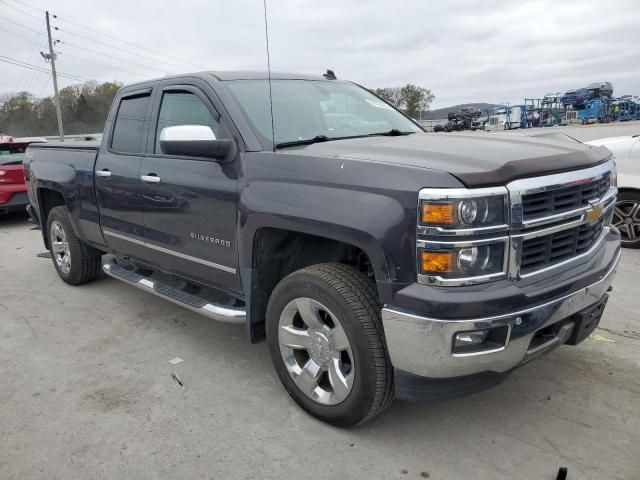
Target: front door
[(189, 204), (117, 175)]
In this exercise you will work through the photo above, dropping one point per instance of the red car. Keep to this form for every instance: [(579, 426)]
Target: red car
[(13, 189)]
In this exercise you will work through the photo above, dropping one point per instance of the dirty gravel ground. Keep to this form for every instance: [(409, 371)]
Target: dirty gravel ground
[(86, 392)]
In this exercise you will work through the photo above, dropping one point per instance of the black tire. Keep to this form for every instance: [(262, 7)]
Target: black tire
[(353, 298), (84, 261), (627, 217)]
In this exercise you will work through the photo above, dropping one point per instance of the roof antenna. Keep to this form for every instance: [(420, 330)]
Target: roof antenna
[(266, 34), (329, 75)]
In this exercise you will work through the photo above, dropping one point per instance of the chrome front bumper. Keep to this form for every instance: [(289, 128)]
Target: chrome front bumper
[(423, 346)]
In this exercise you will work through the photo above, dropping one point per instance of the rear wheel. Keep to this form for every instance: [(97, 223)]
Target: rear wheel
[(327, 343), (75, 262), (626, 218)]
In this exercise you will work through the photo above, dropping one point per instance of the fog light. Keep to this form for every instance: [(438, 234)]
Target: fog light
[(465, 339), (475, 342)]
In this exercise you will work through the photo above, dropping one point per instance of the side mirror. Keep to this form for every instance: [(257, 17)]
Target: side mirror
[(194, 141)]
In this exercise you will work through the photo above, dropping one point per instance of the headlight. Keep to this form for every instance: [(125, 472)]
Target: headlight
[(442, 262), (475, 212), (462, 235), (613, 178)]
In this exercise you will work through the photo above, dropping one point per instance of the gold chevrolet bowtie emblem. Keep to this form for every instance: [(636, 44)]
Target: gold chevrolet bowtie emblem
[(594, 213)]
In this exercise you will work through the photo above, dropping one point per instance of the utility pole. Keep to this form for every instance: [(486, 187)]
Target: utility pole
[(52, 58)]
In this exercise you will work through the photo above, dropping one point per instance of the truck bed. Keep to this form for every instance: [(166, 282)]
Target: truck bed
[(91, 145), (66, 169)]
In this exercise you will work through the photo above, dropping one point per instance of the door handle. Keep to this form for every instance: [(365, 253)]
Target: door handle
[(103, 173), (151, 178)]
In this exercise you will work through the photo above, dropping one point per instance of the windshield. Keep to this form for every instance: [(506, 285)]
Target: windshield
[(8, 158), (307, 109)]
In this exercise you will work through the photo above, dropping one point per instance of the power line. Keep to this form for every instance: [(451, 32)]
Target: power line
[(115, 48), (77, 57), (13, 22), (27, 40), (12, 61), (29, 6), (21, 11), (25, 75), (30, 66), (39, 47), (112, 37), (84, 59), (17, 35), (130, 43), (115, 58), (65, 54), (45, 85), (94, 32)]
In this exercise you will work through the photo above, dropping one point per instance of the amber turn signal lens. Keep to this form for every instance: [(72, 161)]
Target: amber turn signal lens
[(438, 213), (438, 262)]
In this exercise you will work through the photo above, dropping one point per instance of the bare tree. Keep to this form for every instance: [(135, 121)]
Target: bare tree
[(393, 95), (426, 101), (84, 109), (412, 99)]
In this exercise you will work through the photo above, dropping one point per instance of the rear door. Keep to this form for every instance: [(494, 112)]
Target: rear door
[(117, 173), (189, 204)]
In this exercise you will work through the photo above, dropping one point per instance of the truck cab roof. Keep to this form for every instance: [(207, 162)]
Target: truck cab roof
[(224, 76)]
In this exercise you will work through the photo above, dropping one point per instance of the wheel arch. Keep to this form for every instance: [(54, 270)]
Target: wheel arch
[(628, 189), (48, 199), (277, 252)]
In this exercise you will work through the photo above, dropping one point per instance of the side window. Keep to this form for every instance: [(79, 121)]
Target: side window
[(184, 108), (127, 131)]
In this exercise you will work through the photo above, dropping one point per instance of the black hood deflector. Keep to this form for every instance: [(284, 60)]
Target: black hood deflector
[(477, 160)]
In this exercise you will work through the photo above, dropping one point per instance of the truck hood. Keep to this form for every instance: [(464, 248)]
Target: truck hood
[(476, 160)]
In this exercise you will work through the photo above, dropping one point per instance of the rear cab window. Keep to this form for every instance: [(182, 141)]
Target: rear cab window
[(129, 123)]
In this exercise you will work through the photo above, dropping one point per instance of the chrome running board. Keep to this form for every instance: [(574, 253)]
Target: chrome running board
[(192, 302)]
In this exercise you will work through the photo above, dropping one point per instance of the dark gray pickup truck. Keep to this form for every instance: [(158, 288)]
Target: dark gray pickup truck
[(377, 260)]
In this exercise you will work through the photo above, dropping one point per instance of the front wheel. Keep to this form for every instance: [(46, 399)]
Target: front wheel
[(75, 262), (327, 344), (626, 218)]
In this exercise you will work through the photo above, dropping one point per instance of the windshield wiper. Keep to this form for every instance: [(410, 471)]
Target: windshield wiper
[(308, 141), (394, 132)]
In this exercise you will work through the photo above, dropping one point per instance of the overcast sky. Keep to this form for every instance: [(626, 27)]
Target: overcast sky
[(464, 51)]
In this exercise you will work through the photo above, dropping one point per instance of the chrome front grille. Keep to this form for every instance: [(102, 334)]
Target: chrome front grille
[(558, 220), (542, 252), (551, 202), (552, 222)]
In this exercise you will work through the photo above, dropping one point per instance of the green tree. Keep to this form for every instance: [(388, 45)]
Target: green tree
[(416, 100)]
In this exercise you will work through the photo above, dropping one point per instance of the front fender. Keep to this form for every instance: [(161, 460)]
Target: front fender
[(366, 220), (371, 205)]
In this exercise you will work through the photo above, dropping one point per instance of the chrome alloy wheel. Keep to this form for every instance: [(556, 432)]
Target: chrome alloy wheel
[(626, 218), (316, 351), (60, 247)]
